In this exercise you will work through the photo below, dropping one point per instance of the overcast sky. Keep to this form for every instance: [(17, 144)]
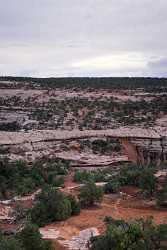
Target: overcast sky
[(83, 37)]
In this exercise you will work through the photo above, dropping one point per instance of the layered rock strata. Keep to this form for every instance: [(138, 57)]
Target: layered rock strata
[(144, 146)]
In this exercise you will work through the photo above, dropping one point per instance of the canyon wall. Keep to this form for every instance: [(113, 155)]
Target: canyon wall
[(143, 146), (145, 151)]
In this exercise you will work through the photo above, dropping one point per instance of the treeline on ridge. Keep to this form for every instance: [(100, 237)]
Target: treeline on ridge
[(148, 83)]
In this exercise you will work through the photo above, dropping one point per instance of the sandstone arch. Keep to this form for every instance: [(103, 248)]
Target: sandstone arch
[(142, 146)]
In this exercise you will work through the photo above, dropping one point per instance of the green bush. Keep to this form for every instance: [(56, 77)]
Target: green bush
[(90, 194), (18, 178), (51, 206), (82, 176), (75, 205), (27, 239), (130, 175), (139, 176), (30, 238), (147, 182), (161, 195), (113, 186), (99, 175), (136, 235), (10, 243), (161, 198)]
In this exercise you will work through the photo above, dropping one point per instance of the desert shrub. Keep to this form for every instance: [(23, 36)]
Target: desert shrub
[(130, 175), (161, 198), (51, 206), (30, 238), (90, 194), (113, 186), (27, 239), (161, 195), (82, 176), (10, 243), (138, 234), (111, 221), (139, 176), (18, 178), (147, 182), (98, 175), (75, 205), (104, 147)]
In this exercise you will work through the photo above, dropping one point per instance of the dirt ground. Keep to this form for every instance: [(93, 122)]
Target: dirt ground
[(127, 205), (118, 207)]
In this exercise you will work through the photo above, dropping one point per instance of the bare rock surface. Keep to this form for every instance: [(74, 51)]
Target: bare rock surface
[(77, 242), (80, 241), (137, 142), (8, 138), (4, 212)]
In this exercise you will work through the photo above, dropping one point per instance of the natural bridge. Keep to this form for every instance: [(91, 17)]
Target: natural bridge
[(142, 146)]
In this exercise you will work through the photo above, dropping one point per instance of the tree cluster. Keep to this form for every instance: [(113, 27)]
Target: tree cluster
[(52, 205), (29, 238), (18, 178), (136, 235)]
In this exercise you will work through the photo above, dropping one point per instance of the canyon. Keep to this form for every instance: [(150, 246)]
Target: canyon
[(98, 129), (142, 146)]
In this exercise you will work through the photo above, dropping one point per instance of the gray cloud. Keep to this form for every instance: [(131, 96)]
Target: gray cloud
[(161, 63), (83, 37)]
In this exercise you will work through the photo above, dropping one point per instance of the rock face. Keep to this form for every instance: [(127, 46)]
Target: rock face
[(80, 241), (142, 146), (146, 151), (4, 213)]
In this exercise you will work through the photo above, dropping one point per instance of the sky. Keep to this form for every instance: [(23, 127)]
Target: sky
[(65, 38)]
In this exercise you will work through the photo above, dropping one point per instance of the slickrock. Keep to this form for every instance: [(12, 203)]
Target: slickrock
[(80, 241), (4, 212), (140, 145), (8, 138)]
